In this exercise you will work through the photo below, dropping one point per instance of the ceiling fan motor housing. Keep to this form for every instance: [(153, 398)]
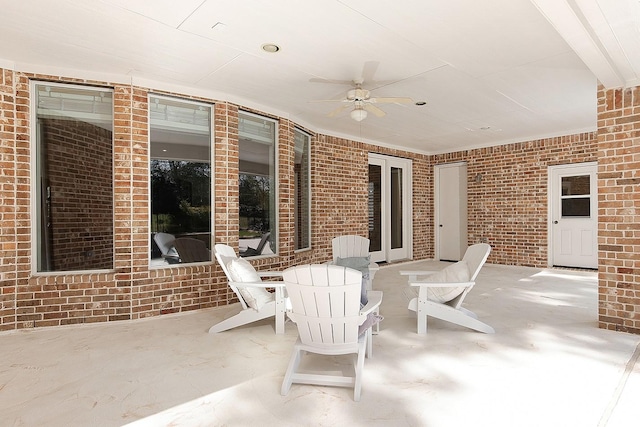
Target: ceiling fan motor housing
[(358, 94)]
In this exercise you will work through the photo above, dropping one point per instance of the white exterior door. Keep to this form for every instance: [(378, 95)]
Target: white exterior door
[(451, 211), (574, 215), (389, 208)]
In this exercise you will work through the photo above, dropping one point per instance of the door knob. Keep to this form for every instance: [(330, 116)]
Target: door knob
[(555, 222)]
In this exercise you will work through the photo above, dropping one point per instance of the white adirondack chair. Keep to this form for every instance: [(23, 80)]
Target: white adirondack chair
[(440, 294), (353, 251), (325, 305), (349, 249), (257, 303)]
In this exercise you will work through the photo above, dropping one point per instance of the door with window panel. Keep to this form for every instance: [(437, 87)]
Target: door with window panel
[(574, 216)]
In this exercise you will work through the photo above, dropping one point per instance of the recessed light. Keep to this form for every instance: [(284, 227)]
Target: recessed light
[(421, 103), (270, 47)]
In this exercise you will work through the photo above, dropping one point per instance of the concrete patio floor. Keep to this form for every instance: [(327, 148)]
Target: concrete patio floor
[(547, 365)]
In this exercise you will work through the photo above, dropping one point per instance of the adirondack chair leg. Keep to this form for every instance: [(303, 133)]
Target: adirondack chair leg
[(462, 317), (242, 318), (422, 317), (280, 310), (359, 367), (294, 362)]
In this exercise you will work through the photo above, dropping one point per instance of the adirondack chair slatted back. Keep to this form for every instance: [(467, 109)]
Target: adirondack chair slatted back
[(475, 257), (349, 246), (325, 301), (224, 254)]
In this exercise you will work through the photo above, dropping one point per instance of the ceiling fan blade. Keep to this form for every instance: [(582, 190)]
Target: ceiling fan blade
[(391, 100), (329, 100), (369, 70), (373, 110), (331, 81), (338, 110)]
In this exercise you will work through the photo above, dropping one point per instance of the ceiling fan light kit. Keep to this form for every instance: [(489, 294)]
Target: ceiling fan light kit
[(358, 114)]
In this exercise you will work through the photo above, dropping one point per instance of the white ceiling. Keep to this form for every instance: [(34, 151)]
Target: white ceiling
[(521, 69)]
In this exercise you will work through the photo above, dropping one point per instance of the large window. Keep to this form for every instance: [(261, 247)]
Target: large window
[(257, 139), (180, 135), (73, 177), (302, 214)]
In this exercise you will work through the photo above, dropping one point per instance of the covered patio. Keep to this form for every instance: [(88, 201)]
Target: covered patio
[(548, 364)]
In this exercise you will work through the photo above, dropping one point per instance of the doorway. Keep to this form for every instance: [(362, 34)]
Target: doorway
[(450, 182), (573, 206), (390, 208)]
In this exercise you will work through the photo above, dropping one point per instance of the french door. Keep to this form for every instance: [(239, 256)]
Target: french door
[(389, 208)]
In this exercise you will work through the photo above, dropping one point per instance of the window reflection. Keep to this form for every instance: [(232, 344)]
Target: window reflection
[(302, 190), (257, 191), (74, 167), (180, 169)]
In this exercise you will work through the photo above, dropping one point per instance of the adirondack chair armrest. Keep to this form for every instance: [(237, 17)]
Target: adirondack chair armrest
[(269, 273), (374, 301), (441, 284), (413, 274), (258, 284)]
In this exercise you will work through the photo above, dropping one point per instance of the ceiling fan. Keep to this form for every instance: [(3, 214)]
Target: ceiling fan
[(361, 102)]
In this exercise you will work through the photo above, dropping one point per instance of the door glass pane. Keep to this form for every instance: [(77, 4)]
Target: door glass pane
[(396, 208), (580, 206), (74, 165), (576, 185), (575, 200), (375, 208)]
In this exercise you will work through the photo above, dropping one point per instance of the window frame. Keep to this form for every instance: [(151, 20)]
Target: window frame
[(211, 159), (308, 196), (274, 228), (35, 196)]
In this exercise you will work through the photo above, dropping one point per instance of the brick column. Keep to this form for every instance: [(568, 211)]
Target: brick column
[(619, 209)]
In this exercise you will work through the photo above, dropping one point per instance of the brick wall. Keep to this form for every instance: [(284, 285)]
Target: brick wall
[(619, 209), (507, 202), (8, 207), (507, 206)]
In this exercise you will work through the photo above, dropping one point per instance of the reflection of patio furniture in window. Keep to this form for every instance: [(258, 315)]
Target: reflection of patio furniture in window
[(258, 250), (165, 244), (192, 250)]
